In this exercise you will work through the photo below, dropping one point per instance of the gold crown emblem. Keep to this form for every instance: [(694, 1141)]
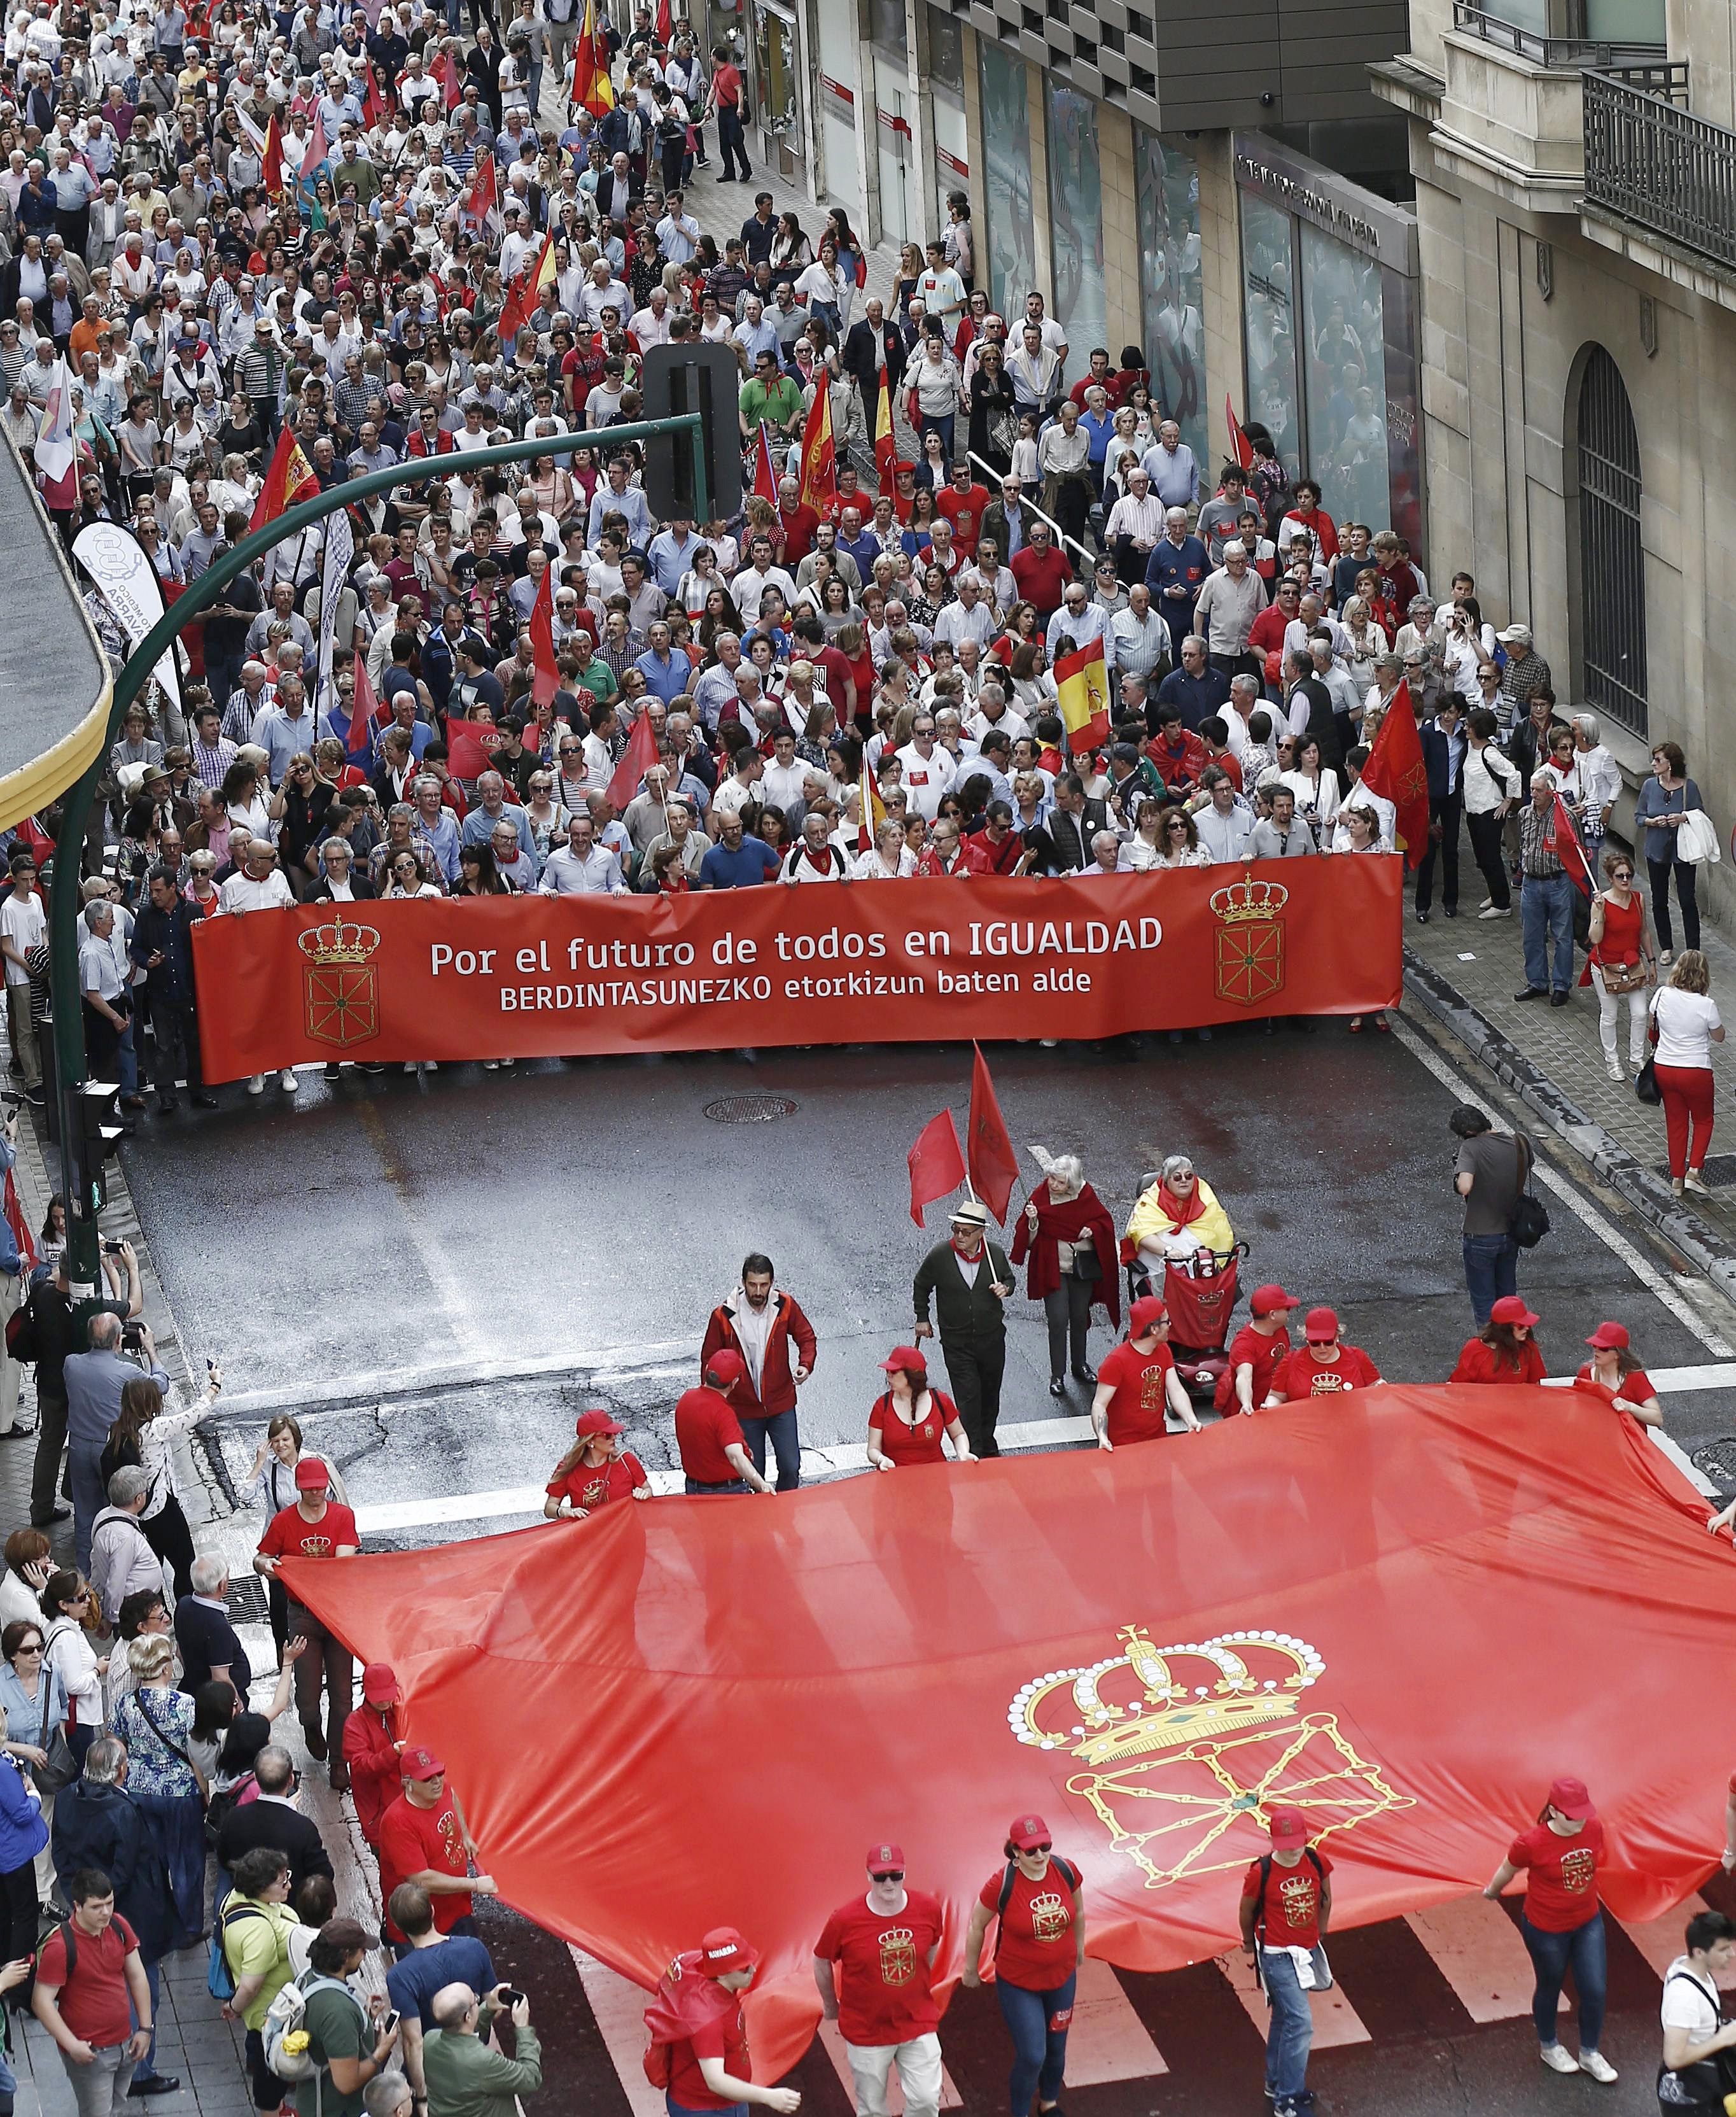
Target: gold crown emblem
[(1249, 899), (341, 942), (1135, 1702), (897, 1936)]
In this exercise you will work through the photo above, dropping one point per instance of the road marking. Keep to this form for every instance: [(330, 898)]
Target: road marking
[(1642, 1268), (1476, 1948), (618, 2006), (1335, 2020), (832, 2037), (1660, 1941), (1108, 2041)]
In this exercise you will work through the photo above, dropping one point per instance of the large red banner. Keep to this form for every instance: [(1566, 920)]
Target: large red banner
[(856, 963), (1404, 1611)]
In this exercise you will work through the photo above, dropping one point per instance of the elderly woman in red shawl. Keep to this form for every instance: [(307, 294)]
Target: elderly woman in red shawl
[(1066, 1233)]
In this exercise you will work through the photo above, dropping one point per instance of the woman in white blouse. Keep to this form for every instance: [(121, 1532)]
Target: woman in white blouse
[(1314, 786), (1365, 643), (890, 859)]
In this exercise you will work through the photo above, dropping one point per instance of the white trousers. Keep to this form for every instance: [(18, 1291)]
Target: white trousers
[(919, 2063), (1609, 1009)]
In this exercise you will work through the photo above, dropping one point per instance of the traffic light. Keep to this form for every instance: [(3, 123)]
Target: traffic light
[(101, 1129), (704, 379)]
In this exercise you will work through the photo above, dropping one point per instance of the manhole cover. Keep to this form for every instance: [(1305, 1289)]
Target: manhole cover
[(1717, 1460), (247, 1603), (749, 1109)]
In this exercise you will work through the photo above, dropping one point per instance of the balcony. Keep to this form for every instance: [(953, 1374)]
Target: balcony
[(1512, 115), (1660, 184)]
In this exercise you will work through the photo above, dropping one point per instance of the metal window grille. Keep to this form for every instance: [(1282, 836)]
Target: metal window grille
[(1612, 564)]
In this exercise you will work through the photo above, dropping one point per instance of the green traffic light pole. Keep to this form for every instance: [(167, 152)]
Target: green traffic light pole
[(79, 1181)]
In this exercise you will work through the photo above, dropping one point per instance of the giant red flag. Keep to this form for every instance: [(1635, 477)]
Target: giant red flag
[(636, 759), (1403, 1611), (994, 1166), (289, 477), (937, 1165), (1396, 771)]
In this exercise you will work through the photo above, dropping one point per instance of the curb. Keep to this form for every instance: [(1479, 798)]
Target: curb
[(1648, 1194)]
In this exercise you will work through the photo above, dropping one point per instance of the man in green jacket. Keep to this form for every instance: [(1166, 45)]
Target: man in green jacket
[(968, 1278), (464, 2078)]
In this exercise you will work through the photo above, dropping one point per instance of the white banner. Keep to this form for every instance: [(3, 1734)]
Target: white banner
[(120, 568), (334, 566)]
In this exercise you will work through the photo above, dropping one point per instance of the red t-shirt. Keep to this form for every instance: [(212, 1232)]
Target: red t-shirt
[(1479, 1363), (920, 1443), (1037, 1948), (965, 511), (800, 525), (884, 1992), (1140, 1383), (94, 2005), (726, 87), (417, 1840), (287, 1535), (1300, 1374), (704, 1426), (1041, 580), (1635, 1387), (1292, 1907), (725, 2038), (1561, 1883), (989, 858), (1252, 1348), (589, 1488)]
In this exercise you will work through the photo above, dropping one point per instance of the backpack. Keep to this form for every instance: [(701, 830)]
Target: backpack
[(289, 2053), (20, 1335), (1069, 1874), (684, 2000), (1530, 1220), (1309, 1854), (219, 1979)]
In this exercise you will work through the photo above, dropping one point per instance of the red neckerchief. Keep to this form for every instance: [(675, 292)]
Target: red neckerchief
[(1176, 1210), (981, 1252)]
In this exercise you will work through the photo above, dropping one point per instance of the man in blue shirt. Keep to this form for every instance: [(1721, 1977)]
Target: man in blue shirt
[(1175, 574), (667, 671), (432, 1961), (616, 496), (1196, 690), (670, 553), (737, 861)]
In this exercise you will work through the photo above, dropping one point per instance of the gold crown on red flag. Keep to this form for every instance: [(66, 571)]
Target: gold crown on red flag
[(341, 942), (1249, 899)]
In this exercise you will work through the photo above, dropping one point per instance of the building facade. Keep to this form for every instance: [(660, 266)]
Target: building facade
[(1576, 209)]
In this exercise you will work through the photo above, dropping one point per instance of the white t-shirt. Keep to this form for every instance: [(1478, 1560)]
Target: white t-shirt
[(1689, 2001), (24, 925), (1685, 1020)]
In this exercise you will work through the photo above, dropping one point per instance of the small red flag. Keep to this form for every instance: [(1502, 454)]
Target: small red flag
[(20, 1226), (665, 23), (937, 1164), (546, 682), (994, 1167), (1241, 448), (636, 759), (373, 109), (765, 477), (364, 707), (471, 747), (271, 161), (1396, 771), (1563, 840), (290, 478)]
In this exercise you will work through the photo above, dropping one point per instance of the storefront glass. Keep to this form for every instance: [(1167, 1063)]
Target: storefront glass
[(1080, 303), (1007, 244), (1346, 371), (947, 78), (1167, 175), (1269, 279)]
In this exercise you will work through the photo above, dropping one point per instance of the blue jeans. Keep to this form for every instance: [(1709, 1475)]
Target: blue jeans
[(679, 2110), (89, 1499), (1583, 1951), (1039, 2047), (1291, 2034), (1546, 910), (780, 1429), (147, 2065), (1491, 1270)]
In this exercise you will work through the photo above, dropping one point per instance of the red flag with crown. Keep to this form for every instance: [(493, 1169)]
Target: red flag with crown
[(819, 451), (1396, 771)]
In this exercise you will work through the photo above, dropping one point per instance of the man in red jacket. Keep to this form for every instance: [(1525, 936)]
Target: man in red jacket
[(759, 1323)]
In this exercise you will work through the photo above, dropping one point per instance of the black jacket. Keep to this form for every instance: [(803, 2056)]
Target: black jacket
[(97, 1825), (1064, 843), (965, 1314), (861, 355), (169, 935), (270, 1822), (1439, 765)]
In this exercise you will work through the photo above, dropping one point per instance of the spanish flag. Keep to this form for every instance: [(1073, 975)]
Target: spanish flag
[(885, 442), (1082, 686), (290, 478), (592, 90), (526, 292), (819, 452), (873, 809)]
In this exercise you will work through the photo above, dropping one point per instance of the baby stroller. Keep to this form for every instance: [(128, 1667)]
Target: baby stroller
[(1200, 1293)]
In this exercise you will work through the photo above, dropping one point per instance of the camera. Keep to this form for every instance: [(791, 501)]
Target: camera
[(113, 1249), (132, 1337)]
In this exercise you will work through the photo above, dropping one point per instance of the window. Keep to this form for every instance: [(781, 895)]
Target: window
[(1344, 374), (1166, 176), (1611, 601), (1269, 278), (1081, 302), (1007, 250)]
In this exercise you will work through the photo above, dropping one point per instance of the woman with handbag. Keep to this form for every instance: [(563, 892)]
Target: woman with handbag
[(1685, 1024), (1699, 2068), (33, 1700), (73, 1617), (1624, 961), (1069, 1239), (1662, 803), (155, 1722)]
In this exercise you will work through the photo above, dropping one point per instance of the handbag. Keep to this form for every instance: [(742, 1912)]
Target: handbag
[(59, 1767), (1646, 1080), (1696, 840), (1087, 1266), (1530, 1221), (1620, 978)]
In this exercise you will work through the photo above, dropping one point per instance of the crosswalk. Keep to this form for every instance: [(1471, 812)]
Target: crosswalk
[(1472, 1947)]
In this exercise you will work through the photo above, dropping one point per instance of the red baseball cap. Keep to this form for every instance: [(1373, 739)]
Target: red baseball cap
[(1269, 1300), (903, 1360), (1028, 1831), (1288, 1826), (885, 1856), (420, 1765), (1511, 1309), (725, 1367), (1570, 1797), (380, 1684), (1610, 1338), (596, 1420), (1146, 1312), (723, 1949), (311, 1475), (1322, 1326)]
